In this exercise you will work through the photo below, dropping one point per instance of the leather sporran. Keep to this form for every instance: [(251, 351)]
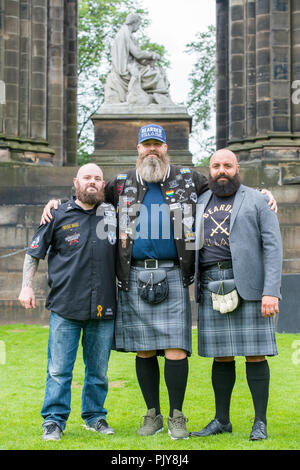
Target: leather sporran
[(153, 286)]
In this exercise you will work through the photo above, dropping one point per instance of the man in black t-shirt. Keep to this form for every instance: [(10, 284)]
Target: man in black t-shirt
[(241, 247), (81, 239)]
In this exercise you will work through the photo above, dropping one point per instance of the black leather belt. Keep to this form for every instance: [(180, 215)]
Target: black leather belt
[(226, 264), (154, 263)]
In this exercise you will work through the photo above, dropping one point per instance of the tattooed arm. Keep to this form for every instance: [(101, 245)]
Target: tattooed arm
[(27, 297)]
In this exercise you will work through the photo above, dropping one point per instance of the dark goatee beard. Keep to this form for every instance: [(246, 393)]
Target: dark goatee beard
[(226, 188), (91, 199)]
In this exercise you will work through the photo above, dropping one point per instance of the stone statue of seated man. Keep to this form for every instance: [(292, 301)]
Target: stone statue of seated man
[(135, 77)]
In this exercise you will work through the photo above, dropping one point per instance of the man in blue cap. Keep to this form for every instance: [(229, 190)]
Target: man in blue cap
[(156, 203)]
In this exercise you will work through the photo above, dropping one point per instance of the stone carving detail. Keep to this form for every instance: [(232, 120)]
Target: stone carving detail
[(135, 77)]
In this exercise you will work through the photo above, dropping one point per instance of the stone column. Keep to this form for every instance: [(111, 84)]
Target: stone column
[(2, 81), (260, 121), (295, 68), (38, 109), (62, 80), (280, 64), (25, 66), (38, 81), (11, 65), (56, 79), (236, 78), (70, 80), (250, 66), (263, 75), (222, 73)]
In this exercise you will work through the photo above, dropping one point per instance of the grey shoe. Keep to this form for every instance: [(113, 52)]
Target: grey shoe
[(52, 432), (152, 424), (100, 426), (177, 426)]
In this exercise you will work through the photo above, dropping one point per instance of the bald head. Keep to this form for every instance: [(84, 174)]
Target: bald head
[(89, 185), (224, 154), (224, 173), (89, 168)]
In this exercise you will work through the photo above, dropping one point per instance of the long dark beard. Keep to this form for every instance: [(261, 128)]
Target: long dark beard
[(90, 198), (226, 188)]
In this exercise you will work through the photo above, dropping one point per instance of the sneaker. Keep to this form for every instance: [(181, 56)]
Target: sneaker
[(52, 432), (152, 424), (100, 426), (177, 426)]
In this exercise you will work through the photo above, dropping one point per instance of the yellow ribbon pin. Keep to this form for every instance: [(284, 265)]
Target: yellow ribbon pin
[(100, 308)]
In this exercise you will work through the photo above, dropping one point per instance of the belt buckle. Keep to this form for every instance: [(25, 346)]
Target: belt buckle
[(154, 263)]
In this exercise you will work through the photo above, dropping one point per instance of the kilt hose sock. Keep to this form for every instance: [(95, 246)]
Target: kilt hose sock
[(147, 371), (258, 377), (148, 375), (223, 380), (176, 374)]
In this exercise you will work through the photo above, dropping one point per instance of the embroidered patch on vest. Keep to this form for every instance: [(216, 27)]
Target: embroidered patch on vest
[(122, 176), (184, 170)]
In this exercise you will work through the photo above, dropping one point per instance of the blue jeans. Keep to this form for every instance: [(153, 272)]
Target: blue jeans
[(63, 344)]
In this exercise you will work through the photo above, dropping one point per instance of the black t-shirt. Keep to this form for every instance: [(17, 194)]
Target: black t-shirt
[(81, 260), (216, 230)]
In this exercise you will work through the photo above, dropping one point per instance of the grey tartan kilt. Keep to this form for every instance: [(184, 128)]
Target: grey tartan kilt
[(140, 326), (243, 332)]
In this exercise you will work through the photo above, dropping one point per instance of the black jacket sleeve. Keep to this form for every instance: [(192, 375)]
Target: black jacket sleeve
[(200, 182), (110, 193)]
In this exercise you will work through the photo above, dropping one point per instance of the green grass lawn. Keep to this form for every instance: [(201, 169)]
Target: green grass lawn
[(22, 383)]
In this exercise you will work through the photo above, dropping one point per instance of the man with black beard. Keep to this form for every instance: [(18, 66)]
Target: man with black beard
[(237, 285), (81, 277)]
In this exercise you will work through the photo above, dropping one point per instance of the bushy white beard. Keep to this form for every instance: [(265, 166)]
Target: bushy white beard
[(152, 169)]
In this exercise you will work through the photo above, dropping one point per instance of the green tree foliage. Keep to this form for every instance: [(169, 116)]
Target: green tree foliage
[(99, 21), (202, 96)]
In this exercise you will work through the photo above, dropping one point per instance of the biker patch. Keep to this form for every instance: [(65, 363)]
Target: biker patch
[(72, 239), (35, 243)]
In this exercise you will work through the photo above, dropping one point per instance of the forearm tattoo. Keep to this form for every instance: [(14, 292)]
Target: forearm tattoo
[(29, 270)]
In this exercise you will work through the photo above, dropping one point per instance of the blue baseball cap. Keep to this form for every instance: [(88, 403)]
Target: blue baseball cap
[(152, 131)]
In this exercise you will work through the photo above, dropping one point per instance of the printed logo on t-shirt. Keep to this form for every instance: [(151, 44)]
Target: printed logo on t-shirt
[(217, 226)]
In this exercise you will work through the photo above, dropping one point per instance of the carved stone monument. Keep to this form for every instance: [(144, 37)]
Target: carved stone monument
[(135, 78), (136, 93)]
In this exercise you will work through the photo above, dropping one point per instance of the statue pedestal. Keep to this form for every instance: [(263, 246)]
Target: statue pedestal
[(116, 128)]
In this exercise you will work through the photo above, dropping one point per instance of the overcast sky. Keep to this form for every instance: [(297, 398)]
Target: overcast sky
[(174, 23)]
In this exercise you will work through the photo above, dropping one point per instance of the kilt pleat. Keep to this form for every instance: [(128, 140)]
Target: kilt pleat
[(140, 326), (243, 332)]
